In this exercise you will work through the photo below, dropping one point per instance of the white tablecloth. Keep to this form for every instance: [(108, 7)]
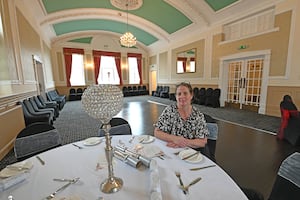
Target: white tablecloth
[(69, 162)]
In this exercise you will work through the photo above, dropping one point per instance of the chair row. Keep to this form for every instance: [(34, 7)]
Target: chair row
[(36, 109), (75, 94), (134, 90), (161, 91), (207, 97), (59, 99)]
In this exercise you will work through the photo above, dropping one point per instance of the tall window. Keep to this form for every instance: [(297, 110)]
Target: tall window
[(134, 77), (77, 72), (180, 66), (108, 73)]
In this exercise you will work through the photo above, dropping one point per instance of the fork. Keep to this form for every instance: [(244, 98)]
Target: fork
[(180, 180), (186, 188), (52, 195)]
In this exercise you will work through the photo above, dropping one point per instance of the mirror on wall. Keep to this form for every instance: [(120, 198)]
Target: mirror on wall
[(186, 61)]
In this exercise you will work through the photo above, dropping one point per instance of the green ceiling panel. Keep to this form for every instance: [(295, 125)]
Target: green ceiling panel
[(174, 21), (107, 25), (219, 4), (86, 40)]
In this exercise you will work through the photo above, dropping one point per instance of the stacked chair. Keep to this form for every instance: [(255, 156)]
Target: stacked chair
[(213, 130), (36, 109), (125, 91), (216, 98), (34, 139), (31, 117), (52, 105), (79, 93), (209, 97), (54, 96), (196, 95), (72, 94), (165, 92), (201, 96), (119, 126), (156, 93), (44, 115), (287, 183)]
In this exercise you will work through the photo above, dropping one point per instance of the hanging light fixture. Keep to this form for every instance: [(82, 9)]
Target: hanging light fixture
[(127, 39)]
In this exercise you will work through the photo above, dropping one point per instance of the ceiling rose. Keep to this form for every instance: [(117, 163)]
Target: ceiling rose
[(127, 4)]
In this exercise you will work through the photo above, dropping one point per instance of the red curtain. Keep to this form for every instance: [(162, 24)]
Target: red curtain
[(184, 60), (139, 64), (97, 58), (68, 61)]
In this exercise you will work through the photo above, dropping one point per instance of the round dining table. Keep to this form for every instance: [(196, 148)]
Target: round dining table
[(87, 161)]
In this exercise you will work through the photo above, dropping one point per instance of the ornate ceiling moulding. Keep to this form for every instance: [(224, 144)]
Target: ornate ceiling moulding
[(127, 4)]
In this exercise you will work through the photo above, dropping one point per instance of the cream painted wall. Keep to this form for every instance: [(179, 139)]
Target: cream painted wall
[(22, 41)]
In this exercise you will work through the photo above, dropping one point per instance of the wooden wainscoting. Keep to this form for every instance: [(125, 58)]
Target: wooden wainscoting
[(12, 122)]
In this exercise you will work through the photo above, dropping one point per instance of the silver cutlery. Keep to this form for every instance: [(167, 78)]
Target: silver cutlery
[(189, 156), (198, 168), (75, 145), (180, 181), (52, 195), (63, 179), (186, 188), (131, 139), (41, 161)]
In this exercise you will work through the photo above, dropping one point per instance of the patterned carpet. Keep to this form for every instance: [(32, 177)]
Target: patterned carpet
[(74, 124), (265, 123)]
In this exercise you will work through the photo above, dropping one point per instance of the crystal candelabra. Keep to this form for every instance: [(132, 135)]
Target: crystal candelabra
[(103, 102)]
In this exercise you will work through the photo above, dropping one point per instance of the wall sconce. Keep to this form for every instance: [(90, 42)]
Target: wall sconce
[(89, 65)]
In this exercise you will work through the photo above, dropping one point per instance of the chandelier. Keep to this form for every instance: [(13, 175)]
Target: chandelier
[(127, 39)]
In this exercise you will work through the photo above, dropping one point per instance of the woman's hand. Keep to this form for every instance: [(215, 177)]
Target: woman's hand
[(178, 142)]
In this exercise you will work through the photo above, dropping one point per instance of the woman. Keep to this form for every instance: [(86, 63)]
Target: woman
[(181, 124)]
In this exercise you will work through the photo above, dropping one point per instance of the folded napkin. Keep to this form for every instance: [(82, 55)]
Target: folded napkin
[(153, 165), (155, 190), (151, 151), (155, 196), (15, 169), (6, 183)]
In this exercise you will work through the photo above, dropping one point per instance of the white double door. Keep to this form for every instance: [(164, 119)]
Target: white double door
[(244, 80)]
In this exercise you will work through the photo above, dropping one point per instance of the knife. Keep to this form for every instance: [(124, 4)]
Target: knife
[(198, 168), (41, 161), (189, 156)]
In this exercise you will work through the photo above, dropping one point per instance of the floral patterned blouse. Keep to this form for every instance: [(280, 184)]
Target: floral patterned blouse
[(171, 122)]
